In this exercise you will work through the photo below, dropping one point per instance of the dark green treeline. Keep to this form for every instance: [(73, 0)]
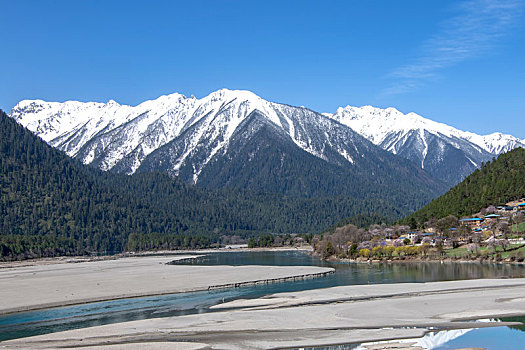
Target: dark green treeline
[(496, 183)]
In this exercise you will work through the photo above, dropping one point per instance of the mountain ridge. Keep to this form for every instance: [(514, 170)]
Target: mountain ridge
[(187, 136), (411, 135), (398, 134)]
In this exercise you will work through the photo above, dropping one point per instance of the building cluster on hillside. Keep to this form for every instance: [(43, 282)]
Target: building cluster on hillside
[(491, 215), (492, 221), (491, 227)]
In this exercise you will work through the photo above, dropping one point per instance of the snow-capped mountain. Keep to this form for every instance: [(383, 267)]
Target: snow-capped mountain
[(108, 134), (232, 139), (495, 143), (445, 152)]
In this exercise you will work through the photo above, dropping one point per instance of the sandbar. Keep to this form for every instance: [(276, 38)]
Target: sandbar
[(31, 287), (338, 315)]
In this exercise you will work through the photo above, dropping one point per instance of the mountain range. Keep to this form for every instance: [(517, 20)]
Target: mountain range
[(237, 139), (231, 139)]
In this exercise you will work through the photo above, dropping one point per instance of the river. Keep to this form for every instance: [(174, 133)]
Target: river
[(87, 315)]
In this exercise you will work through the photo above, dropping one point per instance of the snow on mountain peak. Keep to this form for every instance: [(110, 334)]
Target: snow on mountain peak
[(435, 146), (136, 131), (496, 143), (110, 134), (378, 124)]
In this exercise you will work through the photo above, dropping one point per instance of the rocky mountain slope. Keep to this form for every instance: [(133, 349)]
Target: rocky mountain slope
[(445, 152)]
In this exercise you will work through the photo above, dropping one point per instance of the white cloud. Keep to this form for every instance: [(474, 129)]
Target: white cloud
[(472, 32)]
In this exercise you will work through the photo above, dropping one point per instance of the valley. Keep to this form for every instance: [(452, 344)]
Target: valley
[(307, 175)]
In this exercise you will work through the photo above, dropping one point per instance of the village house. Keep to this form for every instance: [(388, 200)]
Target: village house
[(506, 208), (491, 218), (411, 236), (472, 222)]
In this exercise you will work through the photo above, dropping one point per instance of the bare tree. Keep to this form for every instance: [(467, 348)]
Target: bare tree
[(430, 223), (339, 239), (503, 228), (472, 248), (375, 231), (503, 243), (325, 249), (398, 243), (465, 231), (375, 227), (349, 233), (389, 232), (444, 224), (492, 243), (476, 237), (364, 245), (519, 218), (403, 229)]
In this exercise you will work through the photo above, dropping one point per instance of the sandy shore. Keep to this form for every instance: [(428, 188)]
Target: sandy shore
[(30, 287), (349, 314)]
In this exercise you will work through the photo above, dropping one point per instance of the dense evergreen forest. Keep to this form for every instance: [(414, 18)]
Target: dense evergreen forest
[(53, 205), (496, 183)]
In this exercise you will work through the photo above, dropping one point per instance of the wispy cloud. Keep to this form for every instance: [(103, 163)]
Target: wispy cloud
[(474, 31)]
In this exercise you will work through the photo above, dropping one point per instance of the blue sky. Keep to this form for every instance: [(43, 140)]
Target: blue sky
[(457, 62)]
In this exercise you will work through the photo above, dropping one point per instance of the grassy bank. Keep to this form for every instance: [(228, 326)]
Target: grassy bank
[(514, 251)]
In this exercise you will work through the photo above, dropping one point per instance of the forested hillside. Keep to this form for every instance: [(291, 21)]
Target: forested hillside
[(52, 205), (497, 182)]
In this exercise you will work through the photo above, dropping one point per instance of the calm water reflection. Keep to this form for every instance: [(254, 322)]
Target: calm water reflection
[(87, 315), (493, 338)]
